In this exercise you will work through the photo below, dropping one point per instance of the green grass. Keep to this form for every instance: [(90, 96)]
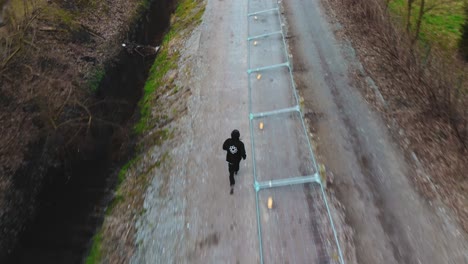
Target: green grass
[(161, 66), (16, 11), (165, 61), (117, 199), (95, 254), (96, 78), (441, 25), (144, 5), (123, 171)]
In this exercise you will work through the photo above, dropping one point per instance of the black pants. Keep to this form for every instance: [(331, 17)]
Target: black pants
[(233, 167)]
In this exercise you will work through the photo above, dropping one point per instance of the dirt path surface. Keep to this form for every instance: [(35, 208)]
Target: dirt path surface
[(222, 226), (391, 222), (198, 221)]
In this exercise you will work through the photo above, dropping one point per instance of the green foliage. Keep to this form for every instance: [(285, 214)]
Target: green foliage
[(441, 24), (161, 66), (96, 78), (123, 171), (58, 15), (16, 11), (117, 199), (95, 254), (186, 15), (144, 5)]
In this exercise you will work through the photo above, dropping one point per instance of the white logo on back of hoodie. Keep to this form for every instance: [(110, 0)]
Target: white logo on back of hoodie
[(233, 149)]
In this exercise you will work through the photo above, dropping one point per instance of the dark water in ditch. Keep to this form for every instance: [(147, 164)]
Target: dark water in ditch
[(71, 207)]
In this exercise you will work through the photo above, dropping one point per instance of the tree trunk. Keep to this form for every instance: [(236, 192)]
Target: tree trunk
[(463, 44), (419, 21), (408, 15)]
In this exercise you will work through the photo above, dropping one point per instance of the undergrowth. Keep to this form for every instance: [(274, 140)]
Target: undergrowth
[(441, 25), (425, 90), (186, 16), (95, 79), (95, 253)]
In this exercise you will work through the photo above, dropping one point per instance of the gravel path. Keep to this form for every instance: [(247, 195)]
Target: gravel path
[(199, 221), (190, 216)]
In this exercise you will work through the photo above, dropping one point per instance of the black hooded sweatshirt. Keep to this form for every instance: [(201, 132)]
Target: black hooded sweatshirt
[(235, 150)]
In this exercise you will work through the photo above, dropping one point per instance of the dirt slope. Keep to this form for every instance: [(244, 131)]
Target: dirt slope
[(392, 223)]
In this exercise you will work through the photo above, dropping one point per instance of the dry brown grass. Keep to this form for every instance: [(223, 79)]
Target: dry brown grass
[(426, 94), (48, 54), (47, 60)]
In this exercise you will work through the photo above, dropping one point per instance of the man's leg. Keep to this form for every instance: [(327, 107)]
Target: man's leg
[(231, 174), (231, 178), (236, 167)]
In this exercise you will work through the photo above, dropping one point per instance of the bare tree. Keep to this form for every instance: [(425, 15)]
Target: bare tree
[(408, 15), (422, 11), (425, 9), (463, 44)]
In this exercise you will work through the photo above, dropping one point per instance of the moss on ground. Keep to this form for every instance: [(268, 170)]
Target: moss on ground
[(96, 78), (123, 171), (95, 253), (186, 16), (138, 183)]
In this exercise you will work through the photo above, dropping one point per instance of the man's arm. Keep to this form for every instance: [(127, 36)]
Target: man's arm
[(226, 145), (244, 156)]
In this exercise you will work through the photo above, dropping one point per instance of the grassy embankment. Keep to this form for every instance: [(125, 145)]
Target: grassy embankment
[(187, 16), (440, 25)]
